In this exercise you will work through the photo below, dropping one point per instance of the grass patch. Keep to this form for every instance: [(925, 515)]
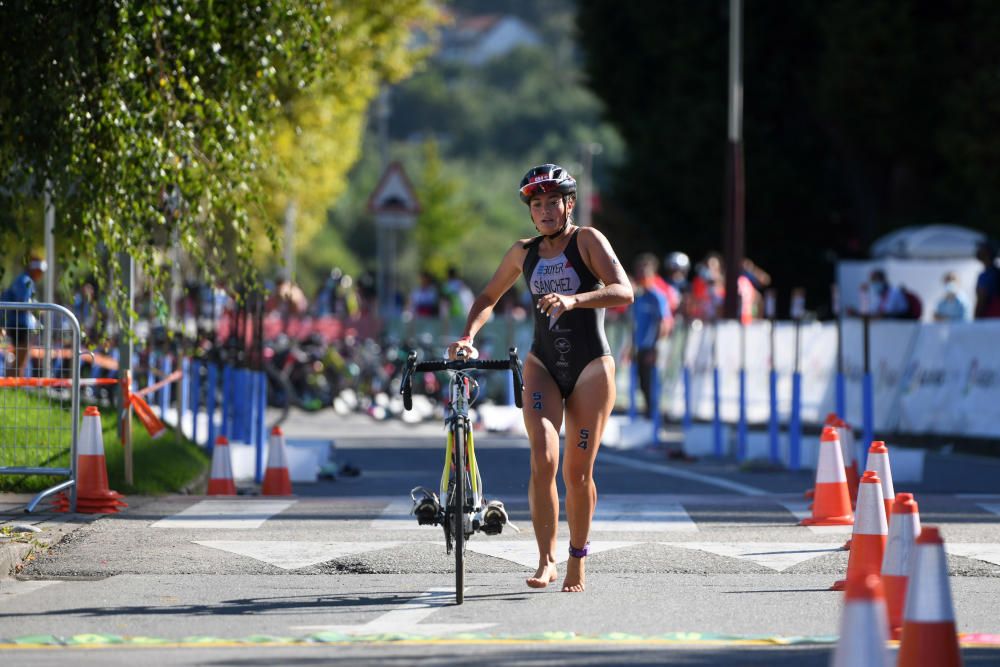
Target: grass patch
[(160, 466)]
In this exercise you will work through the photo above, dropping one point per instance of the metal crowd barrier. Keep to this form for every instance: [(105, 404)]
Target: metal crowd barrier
[(39, 394)]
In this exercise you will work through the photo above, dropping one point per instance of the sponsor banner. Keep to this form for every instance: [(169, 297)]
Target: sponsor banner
[(952, 381), (926, 378)]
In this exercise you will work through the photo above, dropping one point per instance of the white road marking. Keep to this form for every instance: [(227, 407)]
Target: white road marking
[(774, 555), (243, 514), (397, 516), (991, 507), (641, 514), (406, 619), (293, 555), (12, 587), (614, 512), (525, 552), (982, 551), (801, 511), (660, 469)]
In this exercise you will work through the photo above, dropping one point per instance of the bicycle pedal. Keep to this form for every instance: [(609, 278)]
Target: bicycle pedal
[(427, 509), (494, 518)]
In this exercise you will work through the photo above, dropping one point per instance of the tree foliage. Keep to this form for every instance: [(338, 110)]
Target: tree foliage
[(160, 123), (860, 116)]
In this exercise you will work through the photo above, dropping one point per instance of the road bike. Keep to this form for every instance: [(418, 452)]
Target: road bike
[(460, 507)]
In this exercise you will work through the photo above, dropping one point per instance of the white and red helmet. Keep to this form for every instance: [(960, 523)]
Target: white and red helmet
[(546, 178)]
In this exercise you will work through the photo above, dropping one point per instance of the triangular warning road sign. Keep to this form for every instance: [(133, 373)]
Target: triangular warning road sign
[(394, 193)]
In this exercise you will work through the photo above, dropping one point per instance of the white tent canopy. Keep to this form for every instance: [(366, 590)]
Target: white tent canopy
[(928, 242)]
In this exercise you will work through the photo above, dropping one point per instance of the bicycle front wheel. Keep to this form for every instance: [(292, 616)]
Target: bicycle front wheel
[(458, 512)]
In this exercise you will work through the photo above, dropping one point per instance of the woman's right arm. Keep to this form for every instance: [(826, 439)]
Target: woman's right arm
[(503, 279)]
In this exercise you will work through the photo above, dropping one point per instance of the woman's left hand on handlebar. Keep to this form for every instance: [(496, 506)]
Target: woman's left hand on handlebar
[(554, 305)]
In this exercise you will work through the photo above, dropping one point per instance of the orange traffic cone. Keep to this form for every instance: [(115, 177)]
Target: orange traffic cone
[(92, 493), (831, 505), (276, 479), (831, 420), (899, 554), (863, 629), (220, 481), (847, 448), (878, 460), (929, 636), (870, 531)]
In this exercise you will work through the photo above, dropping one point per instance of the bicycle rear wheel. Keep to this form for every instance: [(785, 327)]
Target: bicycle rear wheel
[(458, 512)]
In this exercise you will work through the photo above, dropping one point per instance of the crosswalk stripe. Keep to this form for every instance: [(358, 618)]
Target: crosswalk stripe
[(800, 509), (641, 514), (243, 514), (397, 516), (982, 551)]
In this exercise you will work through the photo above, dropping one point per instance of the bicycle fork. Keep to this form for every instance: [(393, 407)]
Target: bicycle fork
[(475, 500)]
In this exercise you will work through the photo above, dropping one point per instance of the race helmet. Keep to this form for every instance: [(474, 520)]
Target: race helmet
[(677, 261), (546, 178)]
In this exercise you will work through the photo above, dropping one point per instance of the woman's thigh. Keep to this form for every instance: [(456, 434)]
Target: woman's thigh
[(543, 411), (587, 412)]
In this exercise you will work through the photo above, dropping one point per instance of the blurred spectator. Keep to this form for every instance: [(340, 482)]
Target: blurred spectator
[(19, 324), (367, 292), (676, 266), (425, 299), (287, 298), (337, 296), (652, 320), (953, 306), (751, 284), (87, 309), (988, 283), (885, 300), (457, 295), (707, 288)]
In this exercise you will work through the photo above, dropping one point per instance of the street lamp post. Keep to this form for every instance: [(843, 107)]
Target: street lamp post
[(733, 226)]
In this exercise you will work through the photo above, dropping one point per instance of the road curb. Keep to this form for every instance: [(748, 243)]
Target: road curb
[(12, 554), (31, 533)]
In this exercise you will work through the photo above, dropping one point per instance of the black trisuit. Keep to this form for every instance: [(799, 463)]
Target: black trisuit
[(567, 343)]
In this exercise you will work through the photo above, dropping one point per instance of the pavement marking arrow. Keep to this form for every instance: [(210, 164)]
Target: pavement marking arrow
[(242, 514), (406, 619), (525, 552), (12, 587), (641, 514), (293, 555), (774, 555), (981, 551), (801, 511)]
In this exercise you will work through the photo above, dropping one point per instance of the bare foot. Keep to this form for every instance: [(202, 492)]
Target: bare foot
[(575, 576), (546, 574)]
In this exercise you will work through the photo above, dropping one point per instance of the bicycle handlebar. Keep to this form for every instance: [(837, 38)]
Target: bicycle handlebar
[(413, 366)]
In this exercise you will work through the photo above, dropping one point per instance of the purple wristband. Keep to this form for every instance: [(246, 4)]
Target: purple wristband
[(579, 553)]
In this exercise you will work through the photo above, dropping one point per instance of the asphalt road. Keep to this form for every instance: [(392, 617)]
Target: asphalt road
[(696, 563)]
